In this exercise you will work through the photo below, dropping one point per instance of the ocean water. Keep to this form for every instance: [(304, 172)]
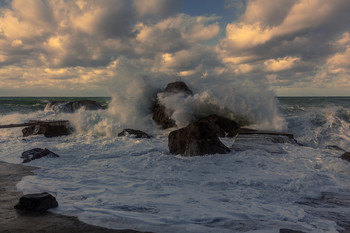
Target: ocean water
[(124, 182)]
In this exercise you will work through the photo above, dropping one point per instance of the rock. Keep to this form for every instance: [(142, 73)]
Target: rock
[(48, 128), (223, 126), (73, 106), (161, 115), (269, 141), (197, 138), (38, 202), (136, 133), (334, 147), (177, 87), (346, 156), (283, 230), (37, 153)]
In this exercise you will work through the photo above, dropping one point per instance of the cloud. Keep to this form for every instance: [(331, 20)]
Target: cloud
[(281, 63)]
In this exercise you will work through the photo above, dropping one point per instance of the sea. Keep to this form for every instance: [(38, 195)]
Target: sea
[(135, 183)]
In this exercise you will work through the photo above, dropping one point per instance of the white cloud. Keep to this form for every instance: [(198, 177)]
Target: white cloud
[(281, 63)]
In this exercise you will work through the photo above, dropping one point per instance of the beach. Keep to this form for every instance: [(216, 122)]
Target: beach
[(12, 221)]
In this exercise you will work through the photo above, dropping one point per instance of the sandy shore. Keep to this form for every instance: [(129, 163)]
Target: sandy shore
[(12, 221)]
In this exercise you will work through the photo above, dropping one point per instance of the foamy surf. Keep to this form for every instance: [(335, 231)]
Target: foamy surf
[(135, 183)]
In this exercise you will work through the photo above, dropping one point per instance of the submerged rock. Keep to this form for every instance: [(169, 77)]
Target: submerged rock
[(197, 138), (161, 115), (73, 106), (38, 202), (37, 153), (284, 230), (136, 133), (269, 141), (346, 156), (223, 126), (48, 128)]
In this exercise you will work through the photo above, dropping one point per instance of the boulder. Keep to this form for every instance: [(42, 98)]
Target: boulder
[(223, 126), (133, 132), (346, 156), (37, 153), (198, 138), (48, 128), (161, 115), (73, 106), (38, 202)]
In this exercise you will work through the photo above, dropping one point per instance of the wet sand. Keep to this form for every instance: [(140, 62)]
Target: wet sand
[(12, 221)]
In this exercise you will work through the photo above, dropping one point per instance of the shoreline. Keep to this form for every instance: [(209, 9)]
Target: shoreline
[(12, 221)]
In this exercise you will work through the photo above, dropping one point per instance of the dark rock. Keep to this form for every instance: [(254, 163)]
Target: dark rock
[(56, 131), (73, 106), (136, 133), (177, 87), (346, 156), (290, 231), (223, 126), (161, 115), (48, 128), (334, 147), (37, 153), (197, 138), (38, 202)]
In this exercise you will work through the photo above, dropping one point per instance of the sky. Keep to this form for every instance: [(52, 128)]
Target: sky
[(84, 48)]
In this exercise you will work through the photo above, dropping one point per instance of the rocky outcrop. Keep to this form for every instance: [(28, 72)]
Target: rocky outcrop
[(73, 106), (346, 156), (38, 202), (37, 153), (48, 128), (223, 126), (197, 138), (161, 115), (133, 132)]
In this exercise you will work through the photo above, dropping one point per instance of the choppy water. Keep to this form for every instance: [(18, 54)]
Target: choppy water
[(135, 183)]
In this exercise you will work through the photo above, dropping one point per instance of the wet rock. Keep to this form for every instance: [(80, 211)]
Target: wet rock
[(224, 127), (334, 147), (197, 138), (283, 230), (133, 132), (346, 156), (48, 128), (161, 115), (37, 153), (73, 106), (38, 202)]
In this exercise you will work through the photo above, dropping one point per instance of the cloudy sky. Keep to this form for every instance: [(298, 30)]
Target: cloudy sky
[(82, 48)]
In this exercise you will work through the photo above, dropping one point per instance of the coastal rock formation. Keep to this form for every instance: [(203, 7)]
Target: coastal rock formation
[(250, 139), (48, 128), (38, 202), (73, 106), (198, 138), (161, 115), (37, 153), (223, 126), (133, 132), (346, 156)]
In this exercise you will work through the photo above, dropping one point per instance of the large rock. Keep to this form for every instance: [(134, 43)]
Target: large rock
[(346, 156), (38, 202), (197, 138), (48, 128), (37, 153), (161, 115), (224, 127), (133, 132), (73, 106)]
